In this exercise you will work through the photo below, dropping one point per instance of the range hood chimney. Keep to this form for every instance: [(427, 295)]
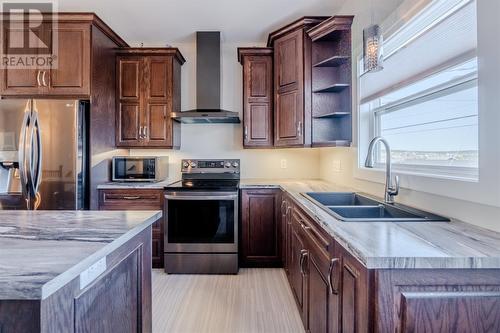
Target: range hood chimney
[(208, 84)]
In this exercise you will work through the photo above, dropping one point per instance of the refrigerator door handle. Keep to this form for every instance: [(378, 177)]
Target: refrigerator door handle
[(22, 150), (36, 166)]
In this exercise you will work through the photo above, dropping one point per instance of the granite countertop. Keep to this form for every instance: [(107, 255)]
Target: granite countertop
[(41, 251), (452, 244)]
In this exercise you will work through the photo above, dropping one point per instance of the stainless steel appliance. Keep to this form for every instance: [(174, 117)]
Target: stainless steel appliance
[(201, 210), (44, 154), (139, 169)]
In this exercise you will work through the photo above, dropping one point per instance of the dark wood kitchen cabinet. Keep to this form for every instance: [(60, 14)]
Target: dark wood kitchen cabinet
[(260, 228), (148, 91), (292, 83), (138, 199), (257, 96), (71, 44), (297, 273)]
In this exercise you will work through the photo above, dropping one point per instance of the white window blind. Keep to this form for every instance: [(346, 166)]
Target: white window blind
[(425, 100)]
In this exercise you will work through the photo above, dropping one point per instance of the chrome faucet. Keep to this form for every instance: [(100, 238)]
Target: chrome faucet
[(391, 190)]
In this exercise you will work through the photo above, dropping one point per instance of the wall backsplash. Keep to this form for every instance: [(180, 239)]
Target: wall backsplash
[(225, 141)]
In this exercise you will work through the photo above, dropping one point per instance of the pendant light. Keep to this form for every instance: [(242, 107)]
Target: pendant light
[(373, 47)]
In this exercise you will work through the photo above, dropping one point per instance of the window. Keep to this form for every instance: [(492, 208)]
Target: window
[(425, 101)]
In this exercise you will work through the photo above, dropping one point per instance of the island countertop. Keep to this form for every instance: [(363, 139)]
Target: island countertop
[(396, 245), (41, 251)]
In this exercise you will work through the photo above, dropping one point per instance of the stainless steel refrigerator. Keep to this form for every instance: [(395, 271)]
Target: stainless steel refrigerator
[(44, 160)]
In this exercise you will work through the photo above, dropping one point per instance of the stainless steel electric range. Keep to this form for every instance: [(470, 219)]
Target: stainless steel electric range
[(201, 233)]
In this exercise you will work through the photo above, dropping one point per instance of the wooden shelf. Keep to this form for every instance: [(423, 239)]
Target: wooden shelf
[(334, 61), (332, 143), (335, 114), (335, 88)]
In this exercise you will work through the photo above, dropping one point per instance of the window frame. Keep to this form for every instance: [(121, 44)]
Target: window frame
[(443, 89), (486, 190)]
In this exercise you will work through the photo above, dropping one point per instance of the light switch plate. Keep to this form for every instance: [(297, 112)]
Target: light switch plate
[(91, 273)]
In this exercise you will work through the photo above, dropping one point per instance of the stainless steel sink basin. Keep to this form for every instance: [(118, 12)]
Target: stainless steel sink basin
[(353, 207)]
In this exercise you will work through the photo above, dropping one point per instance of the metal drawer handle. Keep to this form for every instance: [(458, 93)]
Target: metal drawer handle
[(131, 197), (43, 79), (38, 78), (299, 128), (330, 276), (246, 133), (303, 255)]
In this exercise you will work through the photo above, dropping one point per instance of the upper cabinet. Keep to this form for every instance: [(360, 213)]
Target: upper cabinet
[(311, 75), (292, 83), (148, 91), (70, 43), (257, 96)]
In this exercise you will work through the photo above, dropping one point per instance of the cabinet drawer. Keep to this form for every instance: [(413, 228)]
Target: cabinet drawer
[(131, 199), (319, 237)]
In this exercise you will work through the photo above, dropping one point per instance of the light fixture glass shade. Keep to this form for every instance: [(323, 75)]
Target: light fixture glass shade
[(373, 48)]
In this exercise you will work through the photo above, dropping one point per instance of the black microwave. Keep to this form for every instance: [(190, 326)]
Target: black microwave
[(139, 168)]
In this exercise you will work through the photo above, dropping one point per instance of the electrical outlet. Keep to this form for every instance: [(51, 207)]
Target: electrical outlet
[(283, 164), (336, 166)]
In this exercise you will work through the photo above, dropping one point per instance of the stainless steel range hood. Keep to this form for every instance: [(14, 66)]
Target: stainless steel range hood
[(208, 84)]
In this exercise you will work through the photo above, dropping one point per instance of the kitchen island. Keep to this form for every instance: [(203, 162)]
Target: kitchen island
[(75, 271)]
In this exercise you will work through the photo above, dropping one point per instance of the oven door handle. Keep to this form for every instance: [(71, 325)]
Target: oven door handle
[(201, 197)]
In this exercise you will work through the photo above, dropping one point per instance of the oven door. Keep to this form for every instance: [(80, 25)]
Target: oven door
[(200, 222)]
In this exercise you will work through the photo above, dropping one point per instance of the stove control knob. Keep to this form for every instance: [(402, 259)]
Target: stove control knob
[(235, 164), (185, 164), (227, 165), (192, 164)]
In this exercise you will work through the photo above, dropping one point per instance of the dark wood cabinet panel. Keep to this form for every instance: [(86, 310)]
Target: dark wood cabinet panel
[(260, 228), (128, 123), (354, 307), (150, 78), (159, 77), (71, 75), (438, 300), (94, 310), (158, 124), (130, 70), (138, 199), (257, 96), (290, 107), (20, 81)]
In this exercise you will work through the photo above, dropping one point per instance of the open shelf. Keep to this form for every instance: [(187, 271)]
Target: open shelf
[(334, 61), (334, 114), (335, 88)]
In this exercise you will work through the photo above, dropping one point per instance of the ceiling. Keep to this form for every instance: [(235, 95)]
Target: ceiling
[(161, 22)]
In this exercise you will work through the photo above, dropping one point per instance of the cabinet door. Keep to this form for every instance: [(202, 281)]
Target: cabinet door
[(289, 90), (20, 81), (260, 228), (71, 73), (354, 291), (298, 262), (323, 294), (258, 101), (129, 130), (284, 231), (158, 102)]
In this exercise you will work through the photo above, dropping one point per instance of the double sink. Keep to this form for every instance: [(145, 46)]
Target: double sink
[(354, 207)]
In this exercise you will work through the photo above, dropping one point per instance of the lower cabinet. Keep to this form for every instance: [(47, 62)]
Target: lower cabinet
[(260, 244), (138, 199), (336, 293)]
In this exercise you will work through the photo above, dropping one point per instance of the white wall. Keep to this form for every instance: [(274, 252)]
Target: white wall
[(487, 216), (225, 140)]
